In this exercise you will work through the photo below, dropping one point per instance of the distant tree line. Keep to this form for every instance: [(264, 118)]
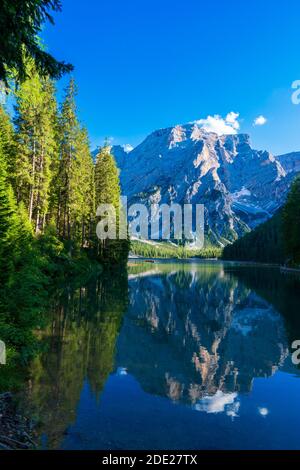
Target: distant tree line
[(167, 250)]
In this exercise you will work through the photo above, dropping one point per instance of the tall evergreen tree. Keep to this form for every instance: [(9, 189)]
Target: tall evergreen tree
[(107, 191), (107, 179), (68, 132), (8, 222), (7, 140), (35, 145), (75, 176), (6, 208), (82, 192), (14, 228)]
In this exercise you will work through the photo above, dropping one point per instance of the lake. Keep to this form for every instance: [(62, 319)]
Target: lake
[(176, 355)]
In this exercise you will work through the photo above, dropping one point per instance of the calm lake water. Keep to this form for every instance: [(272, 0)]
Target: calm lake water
[(174, 356)]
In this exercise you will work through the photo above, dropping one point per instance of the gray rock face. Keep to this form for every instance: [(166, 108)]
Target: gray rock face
[(290, 162), (239, 186)]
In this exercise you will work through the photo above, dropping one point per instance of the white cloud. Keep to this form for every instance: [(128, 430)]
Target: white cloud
[(232, 118), (260, 121), (219, 125), (216, 403), (263, 411)]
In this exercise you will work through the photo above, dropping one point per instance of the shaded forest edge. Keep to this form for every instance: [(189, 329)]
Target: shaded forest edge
[(50, 187), (275, 241), (49, 190)]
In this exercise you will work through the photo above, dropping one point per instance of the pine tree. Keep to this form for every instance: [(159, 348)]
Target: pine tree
[(36, 148), (7, 140), (82, 204), (107, 179), (15, 230), (6, 207), (107, 191), (75, 205), (74, 185), (68, 131)]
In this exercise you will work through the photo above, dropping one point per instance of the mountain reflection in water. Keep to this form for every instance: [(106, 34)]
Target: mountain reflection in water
[(213, 339), (204, 332)]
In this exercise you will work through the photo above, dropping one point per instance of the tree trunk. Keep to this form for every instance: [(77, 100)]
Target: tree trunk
[(31, 198)]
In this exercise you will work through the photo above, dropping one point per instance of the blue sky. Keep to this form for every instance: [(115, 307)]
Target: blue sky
[(141, 65)]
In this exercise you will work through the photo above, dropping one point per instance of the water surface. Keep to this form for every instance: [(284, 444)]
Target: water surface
[(176, 356)]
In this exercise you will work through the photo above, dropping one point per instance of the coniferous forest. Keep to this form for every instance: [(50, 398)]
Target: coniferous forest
[(49, 183), (275, 241), (180, 347), (49, 191)]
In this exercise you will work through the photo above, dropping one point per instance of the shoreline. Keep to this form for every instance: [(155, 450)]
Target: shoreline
[(282, 269)]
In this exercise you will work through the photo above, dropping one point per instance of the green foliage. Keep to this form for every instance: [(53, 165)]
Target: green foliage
[(73, 187), (47, 213), (21, 22), (264, 244), (37, 267), (53, 172), (36, 146), (291, 224), (7, 141), (107, 179), (107, 191), (275, 241), (21, 289), (6, 205)]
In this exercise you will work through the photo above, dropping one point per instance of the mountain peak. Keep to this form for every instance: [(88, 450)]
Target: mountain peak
[(240, 187)]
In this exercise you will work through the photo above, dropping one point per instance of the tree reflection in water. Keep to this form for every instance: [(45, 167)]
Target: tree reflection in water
[(196, 334)]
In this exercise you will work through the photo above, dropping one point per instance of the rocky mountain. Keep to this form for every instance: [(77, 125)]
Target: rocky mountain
[(240, 187), (290, 162)]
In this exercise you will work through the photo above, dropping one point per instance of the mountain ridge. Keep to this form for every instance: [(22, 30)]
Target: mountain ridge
[(240, 187)]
